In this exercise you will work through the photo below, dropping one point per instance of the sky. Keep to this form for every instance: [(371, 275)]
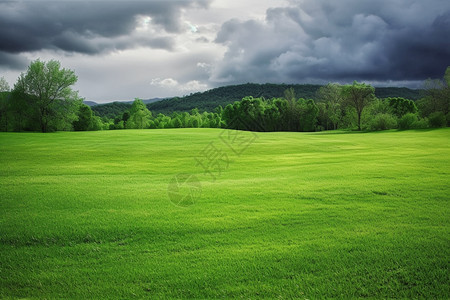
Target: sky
[(121, 50)]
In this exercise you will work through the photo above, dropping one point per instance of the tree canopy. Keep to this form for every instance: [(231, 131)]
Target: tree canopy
[(358, 96), (43, 100), (46, 91)]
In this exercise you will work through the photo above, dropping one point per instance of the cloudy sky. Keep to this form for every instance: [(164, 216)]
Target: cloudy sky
[(159, 48)]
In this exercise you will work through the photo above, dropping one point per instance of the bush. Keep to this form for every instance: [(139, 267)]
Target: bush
[(412, 121), (437, 119), (408, 121), (421, 124), (97, 123), (382, 122)]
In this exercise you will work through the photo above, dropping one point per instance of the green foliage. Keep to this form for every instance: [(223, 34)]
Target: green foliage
[(401, 92), (111, 110), (401, 106), (125, 117), (84, 121), (437, 119), (329, 98), (408, 121), (5, 114), (358, 96), (437, 97), (97, 123), (139, 115), (412, 121), (382, 122), (209, 100), (87, 120), (336, 106), (4, 104), (45, 89), (257, 114), (447, 76), (308, 114)]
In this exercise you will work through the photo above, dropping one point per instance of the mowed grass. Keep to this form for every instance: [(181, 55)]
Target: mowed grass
[(286, 215)]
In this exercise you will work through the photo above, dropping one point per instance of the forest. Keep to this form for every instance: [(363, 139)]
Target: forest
[(222, 96), (42, 99)]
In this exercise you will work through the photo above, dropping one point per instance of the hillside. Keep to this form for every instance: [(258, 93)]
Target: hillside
[(90, 103), (209, 100), (113, 109)]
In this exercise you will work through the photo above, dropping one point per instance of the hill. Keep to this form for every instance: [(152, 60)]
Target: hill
[(113, 109), (149, 100), (90, 103), (209, 100)]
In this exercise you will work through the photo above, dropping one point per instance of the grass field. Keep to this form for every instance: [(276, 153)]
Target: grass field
[(279, 215)]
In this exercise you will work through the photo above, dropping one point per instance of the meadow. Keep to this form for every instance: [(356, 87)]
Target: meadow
[(269, 215)]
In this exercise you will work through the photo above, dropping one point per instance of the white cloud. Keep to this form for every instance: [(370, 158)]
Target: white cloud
[(165, 83), (194, 86), (174, 85)]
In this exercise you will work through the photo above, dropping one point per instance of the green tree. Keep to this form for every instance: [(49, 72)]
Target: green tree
[(46, 88), (139, 115), (97, 123), (85, 118), (401, 106), (125, 118), (4, 104), (358, 96), (176, 123), (331, 96), (382, 122), (308, 111), (292, 110), (437, 96)]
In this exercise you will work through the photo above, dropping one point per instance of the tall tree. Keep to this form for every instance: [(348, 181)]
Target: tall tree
[(85, 118), (125, 118), (46, 87), (292, 113), (331, 97), (139, 115), (4, 104), (437, 96), (308, 114), (358, 96), (401, 106)]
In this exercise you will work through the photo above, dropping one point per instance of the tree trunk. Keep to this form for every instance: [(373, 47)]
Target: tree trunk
[(359, 120)]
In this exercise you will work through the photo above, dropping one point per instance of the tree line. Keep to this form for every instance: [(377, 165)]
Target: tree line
[(43, 100), (209, 100)]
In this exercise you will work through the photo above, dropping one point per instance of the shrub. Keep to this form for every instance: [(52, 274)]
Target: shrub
[(408, 121), (412, 121), (382, 122), (421, 124), (437, 119)]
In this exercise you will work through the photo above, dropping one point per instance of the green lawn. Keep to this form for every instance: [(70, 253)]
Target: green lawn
[(289, 215)]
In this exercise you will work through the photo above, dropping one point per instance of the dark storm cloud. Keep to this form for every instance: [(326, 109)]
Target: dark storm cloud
[(87, 26), (13, 62), (316, 41)]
